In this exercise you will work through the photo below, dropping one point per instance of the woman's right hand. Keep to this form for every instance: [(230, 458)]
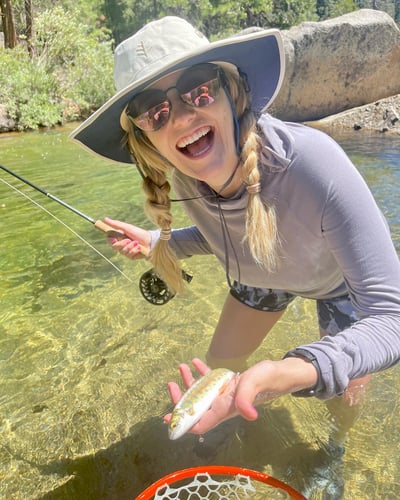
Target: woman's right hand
[(134, 242)]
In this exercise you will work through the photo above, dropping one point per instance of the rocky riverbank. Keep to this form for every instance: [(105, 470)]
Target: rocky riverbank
[(333, 69), (382, 116)]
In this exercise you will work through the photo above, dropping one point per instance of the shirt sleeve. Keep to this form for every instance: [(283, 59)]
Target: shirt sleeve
[(185, 242), (359, 239)]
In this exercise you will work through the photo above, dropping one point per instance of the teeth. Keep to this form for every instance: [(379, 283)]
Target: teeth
[(193, 138)]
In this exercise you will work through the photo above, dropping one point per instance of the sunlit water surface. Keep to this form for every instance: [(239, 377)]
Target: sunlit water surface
[(84, 359)]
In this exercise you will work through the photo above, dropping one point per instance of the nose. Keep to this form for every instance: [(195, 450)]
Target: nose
[(181, 112)]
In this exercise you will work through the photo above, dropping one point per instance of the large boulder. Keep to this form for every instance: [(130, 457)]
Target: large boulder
[(338, 64)]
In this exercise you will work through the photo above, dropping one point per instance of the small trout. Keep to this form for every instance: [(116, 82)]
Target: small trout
[(197, 400)]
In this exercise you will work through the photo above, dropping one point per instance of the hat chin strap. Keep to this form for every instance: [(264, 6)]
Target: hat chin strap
[(235, 119)]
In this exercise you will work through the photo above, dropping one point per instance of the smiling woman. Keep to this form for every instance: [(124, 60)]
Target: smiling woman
[(280, 205), (199, 140), (71, 325)]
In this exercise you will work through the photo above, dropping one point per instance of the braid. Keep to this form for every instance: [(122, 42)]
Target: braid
[(261, 226), (157, 206)]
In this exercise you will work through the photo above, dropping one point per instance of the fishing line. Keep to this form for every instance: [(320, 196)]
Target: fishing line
[(151, 286), (67, 227)]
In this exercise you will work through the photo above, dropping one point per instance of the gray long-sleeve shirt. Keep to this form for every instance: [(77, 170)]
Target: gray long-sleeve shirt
[(334, 240)]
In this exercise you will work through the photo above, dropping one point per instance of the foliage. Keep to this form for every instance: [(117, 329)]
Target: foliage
[(89, 10), (69, 75), (332, 8), (27, 91), (227, 18), (80, 59), (219, 18), (287, 13)]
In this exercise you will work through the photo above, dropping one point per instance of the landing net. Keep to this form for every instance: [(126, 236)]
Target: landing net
[(219, 482)]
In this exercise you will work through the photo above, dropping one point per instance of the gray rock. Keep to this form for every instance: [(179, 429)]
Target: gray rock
[(339, 64), (6, 123)]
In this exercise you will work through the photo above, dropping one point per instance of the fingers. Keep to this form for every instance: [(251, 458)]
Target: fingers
[(131, 231), (254, 387), (186, 374), (129, 248), (200, 366), (221, 409), (133, 242), (245, 407), (175, 392)]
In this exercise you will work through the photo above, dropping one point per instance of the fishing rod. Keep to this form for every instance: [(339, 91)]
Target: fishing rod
[(152, 287), (99, 224)]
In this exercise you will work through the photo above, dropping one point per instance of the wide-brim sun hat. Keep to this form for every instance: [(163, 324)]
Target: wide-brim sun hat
[(167, 45)]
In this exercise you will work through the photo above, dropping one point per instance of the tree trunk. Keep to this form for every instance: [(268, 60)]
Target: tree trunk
[(10, 35), (29, 25)]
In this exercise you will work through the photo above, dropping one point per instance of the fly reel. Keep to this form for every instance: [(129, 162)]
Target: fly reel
[(155, 290)]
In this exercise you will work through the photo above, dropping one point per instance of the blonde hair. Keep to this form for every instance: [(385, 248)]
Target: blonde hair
[(261, 224)]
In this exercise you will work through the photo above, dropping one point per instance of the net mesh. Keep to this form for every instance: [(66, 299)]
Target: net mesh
[(214, 482), (204, 487)]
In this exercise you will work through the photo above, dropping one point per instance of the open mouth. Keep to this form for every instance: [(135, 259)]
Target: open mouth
[(198, 143)]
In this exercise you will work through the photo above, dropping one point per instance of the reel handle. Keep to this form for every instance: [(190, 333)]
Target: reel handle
[(152, 287), (111, 232)]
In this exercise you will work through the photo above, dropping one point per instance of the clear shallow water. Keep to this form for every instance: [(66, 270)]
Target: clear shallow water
[(84, 359)]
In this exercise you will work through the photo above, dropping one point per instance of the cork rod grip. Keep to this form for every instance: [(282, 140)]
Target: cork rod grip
[(111, 232)]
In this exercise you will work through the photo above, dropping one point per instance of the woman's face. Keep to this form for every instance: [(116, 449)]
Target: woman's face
[(198, 141)]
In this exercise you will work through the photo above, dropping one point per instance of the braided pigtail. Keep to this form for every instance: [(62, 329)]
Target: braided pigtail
[(261, 222), (158, 204)]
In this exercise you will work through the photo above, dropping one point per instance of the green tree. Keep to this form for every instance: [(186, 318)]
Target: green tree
[(215, 18), (69, 75), (397, 11), (79, 58), (287, 13), (327, 9), (125, 17), (227, 17)]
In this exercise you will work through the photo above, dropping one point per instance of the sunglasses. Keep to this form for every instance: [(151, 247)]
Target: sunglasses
[(198, 87)]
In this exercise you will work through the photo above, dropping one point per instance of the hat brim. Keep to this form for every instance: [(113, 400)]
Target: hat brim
[(259, 55)]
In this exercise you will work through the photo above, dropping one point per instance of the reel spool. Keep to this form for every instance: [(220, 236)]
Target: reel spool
[(155, 290)]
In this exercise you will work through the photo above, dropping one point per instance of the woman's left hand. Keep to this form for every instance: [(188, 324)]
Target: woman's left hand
[(261, 382), (237, 398)]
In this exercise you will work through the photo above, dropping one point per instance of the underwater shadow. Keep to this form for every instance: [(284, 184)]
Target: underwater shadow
[(127, 467)]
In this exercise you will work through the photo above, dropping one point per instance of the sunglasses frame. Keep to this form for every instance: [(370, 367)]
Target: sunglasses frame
[(219, 78)]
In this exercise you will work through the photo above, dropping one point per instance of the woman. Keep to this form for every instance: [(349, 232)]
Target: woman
[(279, 204)]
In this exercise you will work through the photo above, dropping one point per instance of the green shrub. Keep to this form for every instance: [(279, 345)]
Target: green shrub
[(81, 60), (69, 75), (27, 91)]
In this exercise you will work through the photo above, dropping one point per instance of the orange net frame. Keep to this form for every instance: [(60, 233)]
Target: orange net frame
[(215, 482)]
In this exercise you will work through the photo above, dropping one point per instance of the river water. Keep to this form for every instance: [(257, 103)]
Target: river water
[(84, 359)]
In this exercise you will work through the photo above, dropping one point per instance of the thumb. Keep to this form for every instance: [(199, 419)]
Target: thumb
[(118, 224), (244, 398), (131, 231)]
